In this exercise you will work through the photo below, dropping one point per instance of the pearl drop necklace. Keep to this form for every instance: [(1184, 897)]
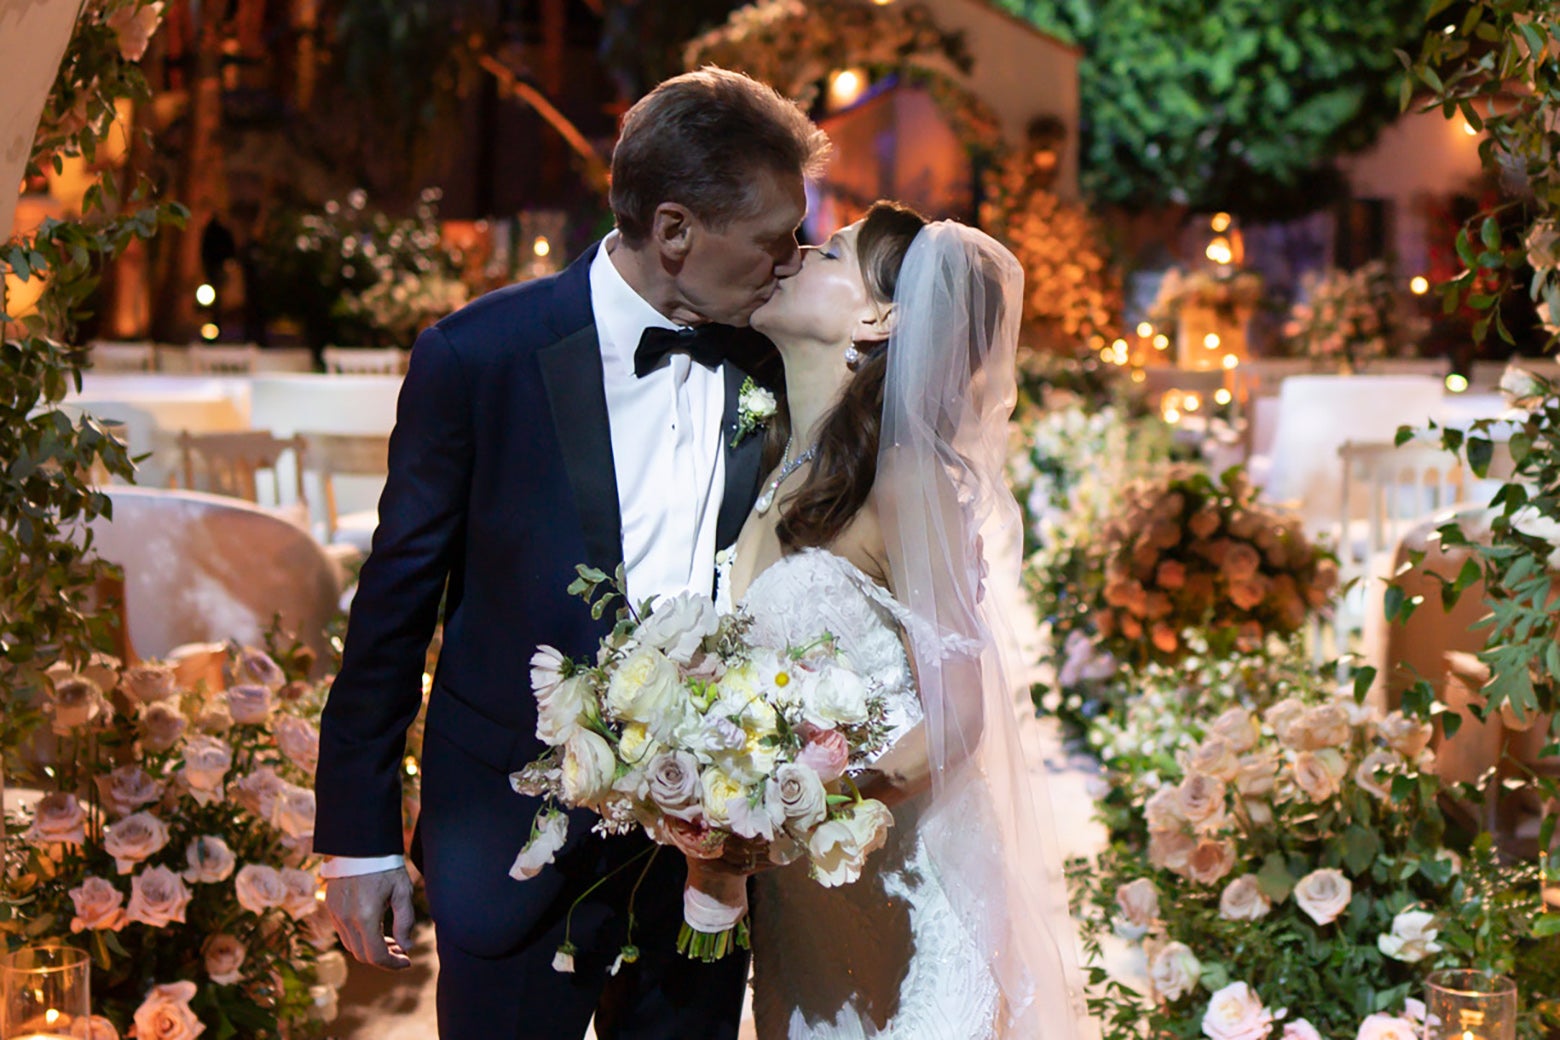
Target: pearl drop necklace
[(767, 498)]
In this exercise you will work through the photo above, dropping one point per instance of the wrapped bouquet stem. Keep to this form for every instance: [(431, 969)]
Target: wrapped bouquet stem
[(715, 907)]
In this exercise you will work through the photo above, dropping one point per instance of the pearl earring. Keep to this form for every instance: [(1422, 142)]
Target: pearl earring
[(853, 357)]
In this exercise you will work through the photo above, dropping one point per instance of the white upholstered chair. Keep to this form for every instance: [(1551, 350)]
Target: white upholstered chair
[(385, 361)]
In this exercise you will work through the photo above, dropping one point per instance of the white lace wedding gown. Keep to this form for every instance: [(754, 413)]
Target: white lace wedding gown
[(883, 958)]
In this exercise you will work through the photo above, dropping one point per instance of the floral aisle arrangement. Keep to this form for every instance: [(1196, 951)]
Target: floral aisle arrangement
[(1072, 292), (1186, 553), (175, 848), (1296, 878), (1350, 317), (358, 276), (684, 727), (1231, 292)]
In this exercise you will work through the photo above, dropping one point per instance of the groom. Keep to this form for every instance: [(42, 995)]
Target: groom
[(543, 426)]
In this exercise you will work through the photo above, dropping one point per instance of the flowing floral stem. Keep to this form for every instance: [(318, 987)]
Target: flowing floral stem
[(633, 895), (568, 920)]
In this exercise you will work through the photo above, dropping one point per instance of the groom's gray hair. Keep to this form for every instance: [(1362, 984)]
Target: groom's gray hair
[(697, 140)]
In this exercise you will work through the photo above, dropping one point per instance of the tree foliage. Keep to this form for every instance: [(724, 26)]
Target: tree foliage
[(1238, 105)]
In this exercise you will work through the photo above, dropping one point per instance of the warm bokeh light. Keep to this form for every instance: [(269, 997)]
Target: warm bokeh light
[(541, 247), (1212, 341), (846, 86), (1469, 130), (1172, 415), (1161, 342), (209, 331), (1138, 375), (1219, 250), (1222, 396), (1107, 355), (1144, 329), (1231, 361), (1220, 222), (1191, 402), (205, 295), (1419, 285), (1456, 383)]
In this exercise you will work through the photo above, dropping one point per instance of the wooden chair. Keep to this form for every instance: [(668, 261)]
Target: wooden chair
[(334, 455), (388, 361), (224, 359), (123, 357), (229, 463)]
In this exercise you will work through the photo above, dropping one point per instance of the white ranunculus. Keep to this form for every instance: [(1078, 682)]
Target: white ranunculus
[(210, 860), (1324, 895), (1138, 902), (552, 829), (588, 768), (678, 625), (646, 688), (801, 796), (1236, 1013), (1174, 969), (1412, 938), (1387, 1027), (1244, 900), (838, 847)]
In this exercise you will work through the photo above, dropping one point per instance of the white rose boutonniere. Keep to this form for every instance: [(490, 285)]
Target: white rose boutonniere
[(755, 407)]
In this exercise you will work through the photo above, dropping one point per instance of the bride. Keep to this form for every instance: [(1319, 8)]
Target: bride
[(898, 338)]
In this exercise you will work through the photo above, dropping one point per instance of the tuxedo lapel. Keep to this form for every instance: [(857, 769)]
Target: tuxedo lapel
[(742, 462), (571, 371)]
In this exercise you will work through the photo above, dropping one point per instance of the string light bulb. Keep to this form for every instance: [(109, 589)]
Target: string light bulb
[(1419, 285)]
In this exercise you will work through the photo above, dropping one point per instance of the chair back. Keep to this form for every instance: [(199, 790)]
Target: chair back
[(123, 357), (230, 463), (225, 359), (385, 361), (345, 455)]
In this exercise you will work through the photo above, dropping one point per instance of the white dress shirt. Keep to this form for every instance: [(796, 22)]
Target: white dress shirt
[(667, 454)]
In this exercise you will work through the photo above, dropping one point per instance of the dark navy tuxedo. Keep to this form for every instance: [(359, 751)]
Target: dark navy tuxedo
[(501, 481)]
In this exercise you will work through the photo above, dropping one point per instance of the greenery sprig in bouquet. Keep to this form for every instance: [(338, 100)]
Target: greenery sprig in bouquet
[(686, 727), (1297, 864), (175, 848), (1186, 552), (1350, 317)]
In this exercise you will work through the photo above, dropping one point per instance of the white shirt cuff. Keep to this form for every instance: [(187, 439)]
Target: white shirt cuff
[(352, 866)]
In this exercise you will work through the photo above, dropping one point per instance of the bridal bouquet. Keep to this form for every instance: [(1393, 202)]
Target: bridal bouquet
[(685, 727)]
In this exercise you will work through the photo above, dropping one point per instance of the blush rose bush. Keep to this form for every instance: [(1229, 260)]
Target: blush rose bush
[(1290, 872), (176, 847)]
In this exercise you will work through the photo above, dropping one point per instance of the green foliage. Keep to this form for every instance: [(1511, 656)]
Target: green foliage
[(1238, 105), (47, 490)]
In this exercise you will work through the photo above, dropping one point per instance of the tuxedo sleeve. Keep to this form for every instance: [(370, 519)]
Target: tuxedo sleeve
[(422, 519)]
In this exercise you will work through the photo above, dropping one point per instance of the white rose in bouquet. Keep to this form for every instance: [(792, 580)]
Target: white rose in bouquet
[(679, 625), (1412, 938), (210, 860), (99, 906), (560, 709), (716, 789), (223, 955), (158, 897), (1174, 970), (1244, 900), (1324, 895), (133, 839), (1236, 1013), (259, 888), (1138, 902), (646, 688), (166, 1014), (588, 767), (833, 697)]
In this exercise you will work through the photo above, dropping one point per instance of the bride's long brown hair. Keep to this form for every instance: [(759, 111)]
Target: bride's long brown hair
[(845, 467)]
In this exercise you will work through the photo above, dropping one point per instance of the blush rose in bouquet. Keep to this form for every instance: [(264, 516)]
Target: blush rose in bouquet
[(174, 847), (1186, 552), (684, 727)]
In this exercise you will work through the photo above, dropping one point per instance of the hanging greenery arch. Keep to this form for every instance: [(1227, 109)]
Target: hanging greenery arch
[(795, 47)]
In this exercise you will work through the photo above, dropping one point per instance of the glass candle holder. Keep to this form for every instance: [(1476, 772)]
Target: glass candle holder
[(1470, 1005), (44, 989)]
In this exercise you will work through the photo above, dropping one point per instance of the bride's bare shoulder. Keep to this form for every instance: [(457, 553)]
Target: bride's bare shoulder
[(862, 544)]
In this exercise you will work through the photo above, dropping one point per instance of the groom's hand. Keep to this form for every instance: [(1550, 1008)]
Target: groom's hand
[(358, 904)]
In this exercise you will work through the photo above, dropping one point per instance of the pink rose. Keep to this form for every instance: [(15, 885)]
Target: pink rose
[(149, 682), (254, 667), (292, 811), (1171, 849), (128, 788), (224, 957), (302, 893), (695, 839), (210, 860), (133, 839), (99, 906), (259, 888), (299, 741), (1210, 861), (161, 726), (257, 791), (74, 701), (826, 753), (249, 705), (58, 817), (157, 897), (206, 762), (165, 1013)]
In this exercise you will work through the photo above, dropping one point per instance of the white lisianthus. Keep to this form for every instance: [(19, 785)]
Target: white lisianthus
[(1138, 902), (1236, 1013), (1244, 900), (679, 625), (588, 768), (1174, 969), (1324, 895), (1412, 938), (547, 837), (560, 711)]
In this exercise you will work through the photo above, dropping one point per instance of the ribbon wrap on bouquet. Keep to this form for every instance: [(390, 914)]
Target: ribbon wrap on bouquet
[(715, 907)]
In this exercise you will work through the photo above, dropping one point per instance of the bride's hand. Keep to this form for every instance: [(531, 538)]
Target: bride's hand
[(745, 856)]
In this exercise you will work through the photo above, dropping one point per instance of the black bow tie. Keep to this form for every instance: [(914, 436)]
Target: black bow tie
[(705, 344)]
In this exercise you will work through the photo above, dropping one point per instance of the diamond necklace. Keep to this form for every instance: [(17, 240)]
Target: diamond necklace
[(767, 498)]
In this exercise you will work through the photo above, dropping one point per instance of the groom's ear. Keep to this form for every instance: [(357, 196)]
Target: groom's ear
[(875, 326), (672, 230)]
